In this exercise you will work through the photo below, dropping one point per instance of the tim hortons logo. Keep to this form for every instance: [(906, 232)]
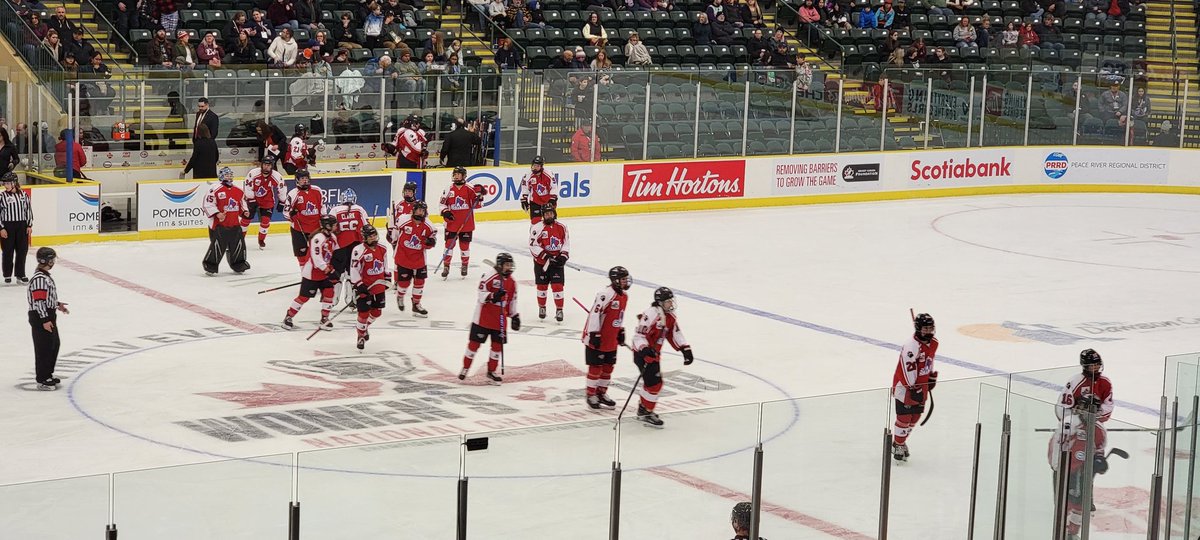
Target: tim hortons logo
[(683, 181)]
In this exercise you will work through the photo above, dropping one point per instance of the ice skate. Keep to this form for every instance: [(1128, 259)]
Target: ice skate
[(400, 303), (494, 379), (900, 452), (593, 402), (445, 271), (47, 385), (542, 312), (287, 321), (462, 375), (55, 381), (419, 311), (209, 274), (651, 419), (604, 400), (558, 315), (325, 323), (262, 244), (463, 271), (362, 342)]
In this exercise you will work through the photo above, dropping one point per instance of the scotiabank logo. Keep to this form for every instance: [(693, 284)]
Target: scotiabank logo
[(953, 170), (682, 181)]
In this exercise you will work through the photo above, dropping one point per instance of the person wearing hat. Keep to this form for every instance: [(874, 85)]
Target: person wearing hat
[(77, 46), (183, 53), (43, 319), (16, 225)]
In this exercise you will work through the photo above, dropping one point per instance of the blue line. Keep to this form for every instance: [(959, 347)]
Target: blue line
[(833, 331)]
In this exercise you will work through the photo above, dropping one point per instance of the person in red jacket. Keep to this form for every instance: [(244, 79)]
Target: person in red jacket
[(78, 156), (459, 202), (225, 206), (581, 145)]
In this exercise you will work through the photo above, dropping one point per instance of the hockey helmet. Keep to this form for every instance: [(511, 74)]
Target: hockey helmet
[(226, 175), (618, 276), (740, 518), (328, 222), (349, 196), (549, 213), (424, 208), (301, 130), (269, 160), (409, 186), (503, 258), (303, 179), (369, 232), (920, 322), (459, 175), (1091, 362), (664, 297), (46, 256), (538, 161), (412, 122), (10, 178)]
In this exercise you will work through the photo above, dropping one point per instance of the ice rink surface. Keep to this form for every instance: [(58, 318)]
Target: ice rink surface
[(165, 366)]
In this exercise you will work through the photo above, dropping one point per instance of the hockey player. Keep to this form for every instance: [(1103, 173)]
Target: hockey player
[(656, 324), (225, 206), (1088, 391), (459, 202), (497, 304), (349, 232), (913, 381), (316, 273), (264, 192), (539, 188), (369, 275), (740, 519), (1071, 436), (401, 209), (299, 154), (409, 145), (550, 246), (413, 236), (304, 204), (603, 334)]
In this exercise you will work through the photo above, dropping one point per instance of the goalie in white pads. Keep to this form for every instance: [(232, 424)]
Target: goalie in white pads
[(655, 325)]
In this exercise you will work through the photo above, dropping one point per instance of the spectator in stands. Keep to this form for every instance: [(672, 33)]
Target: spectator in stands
[(752, 14), (902, 18), (603, 67), (1117, 9), (566, 60), (594, 32), (1052, 7), (40, 29), (263, 31), (158, 50), (1113, 104), (890, 46), (836, 17), (283, 50), (51, 42), (236, 25), (321, 45), (723, 33), (938, 7), (702, 30), (21, 138), (82, 49), (496, 11), (99, 94), (809, 16), (804, 76), (782, 58), (602, 5), (243, 51), (307, 14), (508, 56), (733, 13), (983, 35), (636, 53), (1096, 10), (60, 23), (209, 52), (1010, 37), (885, 16), (436, 43), (409, 75), (168, 15), (1050, 34), (584, 145), (454, 80), (957, 6), (516, 14), (1166, 135), (183, 54), (582, 99), (340, 56), (917, 52), (373, 27), (964, 34), (430, 68), (393, 31), (343, 32), (78, 158), (282, 14), (1029, 38), (664, 5), (756, 43), (70, 66), (1141, 113), (866, 17), (642, 5), (580, 61)]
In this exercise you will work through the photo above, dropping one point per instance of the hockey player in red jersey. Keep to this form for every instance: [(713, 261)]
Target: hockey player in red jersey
[(409, 145), (401, 210), (264, 192), (655, 325), (225, 206), (497, 305), (1071, 436), (413, 236), (914, 379), (539, 188), (316, 273), (459, 202), (550, 246), (369, 276), (304, 204), (350, 221), (299, 154), (602, 335)]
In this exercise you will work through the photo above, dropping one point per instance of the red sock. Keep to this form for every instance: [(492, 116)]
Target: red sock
[(605, 376), (649, 396), (541, 295), (494, 356), (297, 303), (326, 302), (558, 294), (464, 249), (469, 356), (593, 379), (418, 290)]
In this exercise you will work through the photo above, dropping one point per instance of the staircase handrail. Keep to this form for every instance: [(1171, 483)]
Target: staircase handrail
[(112, 30), (825, 37), (57, 88)]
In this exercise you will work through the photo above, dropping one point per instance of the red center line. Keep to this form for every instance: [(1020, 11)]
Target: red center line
[(773, 509), (164, 297)]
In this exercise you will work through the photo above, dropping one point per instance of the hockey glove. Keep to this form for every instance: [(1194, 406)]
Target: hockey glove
[(498, 296), (292, 213), (621, 337), (914, 397), (560, 259), (1100, 464), (361, 290), (479, 190), (447, 215), (594, 340), (279, 208), (430, 242), (687, 356), (932, 381), (516, 323), (649, 352), (388, 148), (524, 204)]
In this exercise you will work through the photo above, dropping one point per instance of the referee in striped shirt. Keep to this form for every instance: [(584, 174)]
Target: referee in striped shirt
[(16, 225), (43, 318)]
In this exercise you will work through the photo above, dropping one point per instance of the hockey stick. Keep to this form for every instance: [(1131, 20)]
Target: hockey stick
[(330, 321), (279, 287), (636, 381), (503, 328), (932, 404), (1117, 452)]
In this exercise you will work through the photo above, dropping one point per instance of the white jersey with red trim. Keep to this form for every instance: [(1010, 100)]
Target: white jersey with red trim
[(914, 367), (350, 221), (607, 317), (656, 326), (369, 266), (265, 190), (410, 144), (297, 153), (1082, 388), (320, 256)]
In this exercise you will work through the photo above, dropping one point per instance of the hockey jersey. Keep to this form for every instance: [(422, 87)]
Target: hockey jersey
[(494, 315), (607, 317), (913, 368), (368, 266), (264, 189), (411, 237), (299, 154), (1082, 388), (539, 188), (309, 205), (546, 241), (320, 256), (654, 327), (229, 200), (410, 145), (461, 201), (350, 221), (1069, 436), (400, 212)]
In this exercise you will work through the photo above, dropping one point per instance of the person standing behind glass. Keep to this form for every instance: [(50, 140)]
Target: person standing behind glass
[(16, 225), (9, 158)]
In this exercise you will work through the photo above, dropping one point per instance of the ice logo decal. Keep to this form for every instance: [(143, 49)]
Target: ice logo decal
[(179, 197), (1056, 165), (89, 199)]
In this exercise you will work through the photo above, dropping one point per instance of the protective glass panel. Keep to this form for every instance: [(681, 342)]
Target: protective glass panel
[(993, 402), (55, 510), (1030, 502)]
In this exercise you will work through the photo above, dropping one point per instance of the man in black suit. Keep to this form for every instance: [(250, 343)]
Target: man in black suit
[(458, 150), (207, 117)]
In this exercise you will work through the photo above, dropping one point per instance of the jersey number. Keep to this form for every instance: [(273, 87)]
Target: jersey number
[(348, 225)]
